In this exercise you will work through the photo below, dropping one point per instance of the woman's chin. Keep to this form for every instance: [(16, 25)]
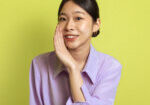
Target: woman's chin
[(71, 46)]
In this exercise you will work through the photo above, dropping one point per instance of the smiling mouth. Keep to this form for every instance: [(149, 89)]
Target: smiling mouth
[(70, 37)]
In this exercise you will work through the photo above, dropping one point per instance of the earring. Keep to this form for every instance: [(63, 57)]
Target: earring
[(95, 34)]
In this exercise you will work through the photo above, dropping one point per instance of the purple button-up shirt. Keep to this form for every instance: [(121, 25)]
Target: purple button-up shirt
[(49, 80)]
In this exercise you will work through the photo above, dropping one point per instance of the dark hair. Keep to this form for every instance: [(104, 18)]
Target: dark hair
[(90, 6)]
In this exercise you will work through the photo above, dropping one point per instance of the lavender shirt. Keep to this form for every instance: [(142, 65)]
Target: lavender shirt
[(49, 82)]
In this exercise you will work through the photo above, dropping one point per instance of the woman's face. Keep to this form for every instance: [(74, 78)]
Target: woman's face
[(74, 20)]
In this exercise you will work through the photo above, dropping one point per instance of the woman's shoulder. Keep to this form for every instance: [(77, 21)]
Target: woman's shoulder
[(108, 66), (44, 58), (44, 62), (108, 60)]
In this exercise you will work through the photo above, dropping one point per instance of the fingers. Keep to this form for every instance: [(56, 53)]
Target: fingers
[(61, 39), (58, 39), (55, 38)]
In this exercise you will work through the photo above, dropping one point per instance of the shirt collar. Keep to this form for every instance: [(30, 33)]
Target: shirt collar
[(91, 66)]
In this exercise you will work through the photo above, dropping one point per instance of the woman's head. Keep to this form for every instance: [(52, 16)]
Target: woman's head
[(79, 17)]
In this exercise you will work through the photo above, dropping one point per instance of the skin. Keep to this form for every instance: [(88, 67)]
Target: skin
[(74, 20)]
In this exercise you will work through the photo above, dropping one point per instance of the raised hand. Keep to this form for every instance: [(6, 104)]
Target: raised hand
[(62, 52)]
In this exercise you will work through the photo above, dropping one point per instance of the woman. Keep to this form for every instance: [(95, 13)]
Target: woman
[(75, 73)]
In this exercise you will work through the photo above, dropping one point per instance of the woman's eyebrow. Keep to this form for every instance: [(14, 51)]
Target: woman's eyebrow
[(80, 12), (62, 13)]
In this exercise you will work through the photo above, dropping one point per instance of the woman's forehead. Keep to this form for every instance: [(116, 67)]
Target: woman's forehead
[(71, 7)]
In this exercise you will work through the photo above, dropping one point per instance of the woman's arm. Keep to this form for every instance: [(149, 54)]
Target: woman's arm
[(34, 80), (104, 92), (75, 86)]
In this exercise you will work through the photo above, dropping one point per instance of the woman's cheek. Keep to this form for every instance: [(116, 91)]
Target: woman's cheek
[(62, 25), (85, 29), (82, 27)]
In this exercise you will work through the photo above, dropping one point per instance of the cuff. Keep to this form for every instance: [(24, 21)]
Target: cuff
[(86, 95), (70, 102)]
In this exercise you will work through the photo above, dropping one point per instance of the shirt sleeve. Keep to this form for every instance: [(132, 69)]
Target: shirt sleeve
[(34, 80), (105, 90)]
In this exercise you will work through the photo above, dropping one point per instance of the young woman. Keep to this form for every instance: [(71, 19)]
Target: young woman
[(75, 73)]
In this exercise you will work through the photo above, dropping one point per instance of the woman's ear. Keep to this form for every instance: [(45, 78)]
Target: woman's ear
[(96, 25)]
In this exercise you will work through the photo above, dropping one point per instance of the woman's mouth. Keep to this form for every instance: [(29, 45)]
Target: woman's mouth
[(70, 37)]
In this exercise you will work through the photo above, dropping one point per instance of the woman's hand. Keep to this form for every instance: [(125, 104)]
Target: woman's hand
[(62, 52)]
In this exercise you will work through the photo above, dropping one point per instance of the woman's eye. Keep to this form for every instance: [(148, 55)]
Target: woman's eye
[(62, 19), (78, 18)]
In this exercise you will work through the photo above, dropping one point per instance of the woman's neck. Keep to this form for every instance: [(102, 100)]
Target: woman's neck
[(80, 55)]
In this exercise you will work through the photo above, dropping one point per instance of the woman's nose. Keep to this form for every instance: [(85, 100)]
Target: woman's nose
[(69, 25)]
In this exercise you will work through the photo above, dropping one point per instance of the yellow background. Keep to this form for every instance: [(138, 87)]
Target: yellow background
[(26, 30)]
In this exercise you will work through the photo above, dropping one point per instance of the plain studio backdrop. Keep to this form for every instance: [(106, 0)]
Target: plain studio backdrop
[(27, 28)]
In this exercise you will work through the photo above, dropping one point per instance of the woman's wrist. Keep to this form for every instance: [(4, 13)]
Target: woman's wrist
[(73, 70)]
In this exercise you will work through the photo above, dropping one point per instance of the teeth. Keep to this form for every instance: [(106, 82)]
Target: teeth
[(70, 36)]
